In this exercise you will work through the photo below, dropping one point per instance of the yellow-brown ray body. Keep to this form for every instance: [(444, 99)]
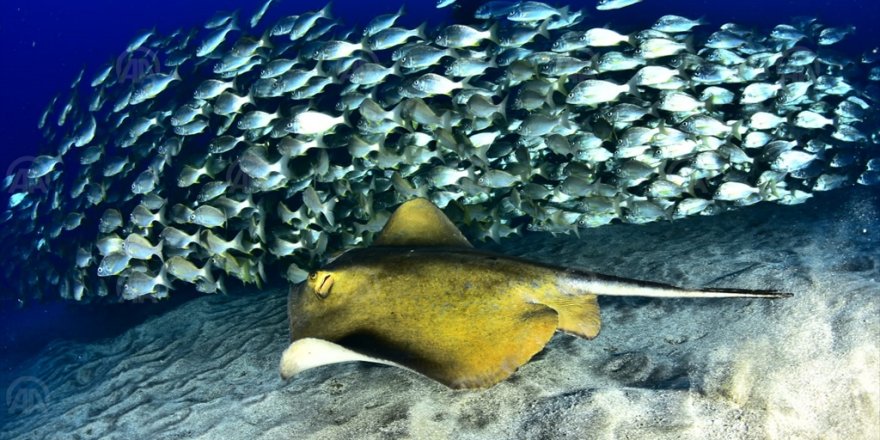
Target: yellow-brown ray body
[(425, 300)]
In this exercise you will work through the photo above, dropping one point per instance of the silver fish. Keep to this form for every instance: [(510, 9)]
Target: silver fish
[(526, 118), (607, 5)]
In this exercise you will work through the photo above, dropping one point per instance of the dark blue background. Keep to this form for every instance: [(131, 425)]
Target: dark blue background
[(46, 42)]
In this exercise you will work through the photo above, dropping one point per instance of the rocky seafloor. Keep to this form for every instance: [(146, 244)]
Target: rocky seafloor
[(804, 367)]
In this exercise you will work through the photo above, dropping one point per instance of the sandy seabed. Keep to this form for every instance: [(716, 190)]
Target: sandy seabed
[(805, 367)]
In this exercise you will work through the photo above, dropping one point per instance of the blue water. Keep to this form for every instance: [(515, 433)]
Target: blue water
[(44, 44)]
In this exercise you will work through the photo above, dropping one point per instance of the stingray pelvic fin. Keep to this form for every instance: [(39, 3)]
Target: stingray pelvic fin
[(578, 315)]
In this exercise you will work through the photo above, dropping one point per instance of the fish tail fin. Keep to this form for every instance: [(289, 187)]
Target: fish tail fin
[(396, 114), (249, 98), (502, 107), (260, 224), (238, 242), (162, 278), (559, 85), (543, 31), (420, 31), (284, 168), (661, 127), (811, 75), (319, 69), (466, 83), (689, 44), (736, 130), (221, 284), (708, 105), (266, 39), (328, 211), (634, 88), (661, 168), (261, 273), (395, 69), (691, 187), (205, 273), (493, 34), (618, 209), (564, 11), (564, 118), (654, 109), (550, 101), (771, 190), (319, 140), (327, 10), (162, 219), (481, 154), (446, 120), (681, 72)]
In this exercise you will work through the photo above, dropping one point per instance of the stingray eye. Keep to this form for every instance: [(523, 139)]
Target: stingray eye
[(322, 290)]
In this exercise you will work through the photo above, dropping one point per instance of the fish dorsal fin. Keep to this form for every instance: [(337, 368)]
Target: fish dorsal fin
[(419, 223)]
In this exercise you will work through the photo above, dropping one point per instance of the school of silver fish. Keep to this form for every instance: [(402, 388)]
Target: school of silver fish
[(256, 149)]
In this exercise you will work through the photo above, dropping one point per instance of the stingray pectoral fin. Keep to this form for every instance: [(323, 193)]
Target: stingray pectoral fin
[(475, 349), (307, 353), (496, 347)]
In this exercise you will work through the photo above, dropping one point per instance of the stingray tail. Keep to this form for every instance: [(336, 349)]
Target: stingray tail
[(596, 284)]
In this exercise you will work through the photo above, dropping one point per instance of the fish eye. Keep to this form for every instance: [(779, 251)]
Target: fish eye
[(313, 275)]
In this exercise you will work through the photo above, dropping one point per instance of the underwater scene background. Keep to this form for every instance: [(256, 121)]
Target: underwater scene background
[(152, 229)]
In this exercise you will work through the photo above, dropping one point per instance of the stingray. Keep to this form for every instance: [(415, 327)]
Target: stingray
[(422, 298)]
